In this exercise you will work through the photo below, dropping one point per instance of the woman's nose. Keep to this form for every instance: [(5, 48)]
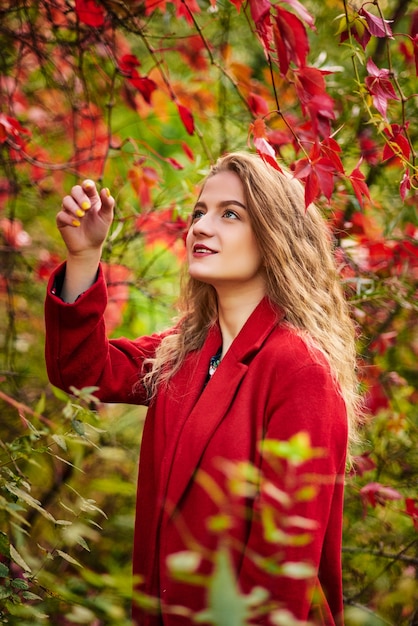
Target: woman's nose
[(204, 225)]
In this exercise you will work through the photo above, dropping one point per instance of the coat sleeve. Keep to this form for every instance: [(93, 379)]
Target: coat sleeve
[(297, 515), (78, 352)]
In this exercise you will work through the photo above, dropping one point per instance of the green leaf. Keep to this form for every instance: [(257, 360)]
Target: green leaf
[(4, 544), (298, 570), (83, 543), (17, 558), (40, 407), (28, 595), (68, 558), (26, 497), (19, 583), (296, 450), (5, 592), (60, 441), (78, 427), (185, 561), (227, 605), (59, 394), (4, 570)]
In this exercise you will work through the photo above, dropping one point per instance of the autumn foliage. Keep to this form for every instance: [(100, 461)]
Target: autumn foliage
[(142, 95)]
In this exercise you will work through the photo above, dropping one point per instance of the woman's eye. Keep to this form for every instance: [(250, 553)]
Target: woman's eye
[(196, 214), (230, 214)]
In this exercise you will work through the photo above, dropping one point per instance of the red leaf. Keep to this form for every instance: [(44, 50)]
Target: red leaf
[(46, 264), (302, 169), (406, 252), (188, 151), (260, 13), (398, 146), (143, 179), (153, 5), (383, 342), (309, 82), (380, 87), (369, 148), (187, 118), (375, 397), (376, 493), (330, 148), (405, 185), (193, 49), (302, 12), (90, 13), (258, 129), (319, 172), (280, 137), (238, 4), (321, 111), (257, 104), (415, 42), (182, 9), (311, 188), (282, 52), (411, 507), (174, 163), (266, 152), (11, 128), (259, 10), (186, 9), (377, 26), (13, 233), (359, 31), (127, 63), (360, 187), (145, 85), (324, 169), (363, 463), (161, 227), (291, 40)]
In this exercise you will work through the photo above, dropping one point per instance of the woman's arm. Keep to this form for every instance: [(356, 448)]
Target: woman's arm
[(78, 352), (83, 221)]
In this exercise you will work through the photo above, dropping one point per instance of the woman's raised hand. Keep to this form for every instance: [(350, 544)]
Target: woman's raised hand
[(85, 218), (83, 221)]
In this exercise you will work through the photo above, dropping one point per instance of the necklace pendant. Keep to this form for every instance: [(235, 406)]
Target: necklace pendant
[(214, 362)]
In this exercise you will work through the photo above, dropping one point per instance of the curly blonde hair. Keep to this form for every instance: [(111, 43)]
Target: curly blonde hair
[(300, 273)]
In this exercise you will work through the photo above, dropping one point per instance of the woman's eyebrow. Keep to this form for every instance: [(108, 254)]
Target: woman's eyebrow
[(223, 204)]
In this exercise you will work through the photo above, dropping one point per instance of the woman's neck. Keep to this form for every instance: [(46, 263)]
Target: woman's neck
[(234, 309)]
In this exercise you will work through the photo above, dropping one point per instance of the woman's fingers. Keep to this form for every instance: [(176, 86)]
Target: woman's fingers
[(108, 202), (87, 195), (70, 213), (82, 199)]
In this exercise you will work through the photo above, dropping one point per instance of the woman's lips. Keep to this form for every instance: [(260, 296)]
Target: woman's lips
[(201, 249)]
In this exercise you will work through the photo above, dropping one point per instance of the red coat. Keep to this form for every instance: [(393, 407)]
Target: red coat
[(268, 386)]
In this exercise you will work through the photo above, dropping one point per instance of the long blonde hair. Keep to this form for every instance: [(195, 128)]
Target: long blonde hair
[(301, 279)]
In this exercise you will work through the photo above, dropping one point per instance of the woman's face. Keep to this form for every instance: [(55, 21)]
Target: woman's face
[(221, 246)]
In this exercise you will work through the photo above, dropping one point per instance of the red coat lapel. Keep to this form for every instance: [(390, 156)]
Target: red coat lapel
[(202, 410)]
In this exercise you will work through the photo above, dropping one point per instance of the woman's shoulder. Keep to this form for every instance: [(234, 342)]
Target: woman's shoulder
[(293, 347)]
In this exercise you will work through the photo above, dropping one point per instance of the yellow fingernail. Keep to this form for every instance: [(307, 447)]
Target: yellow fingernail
[(85, 205), (107, 192), (80, 213), (76, 223), (88, 184)]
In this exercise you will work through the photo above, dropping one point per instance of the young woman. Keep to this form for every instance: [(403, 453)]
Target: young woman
[(261, 359)]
